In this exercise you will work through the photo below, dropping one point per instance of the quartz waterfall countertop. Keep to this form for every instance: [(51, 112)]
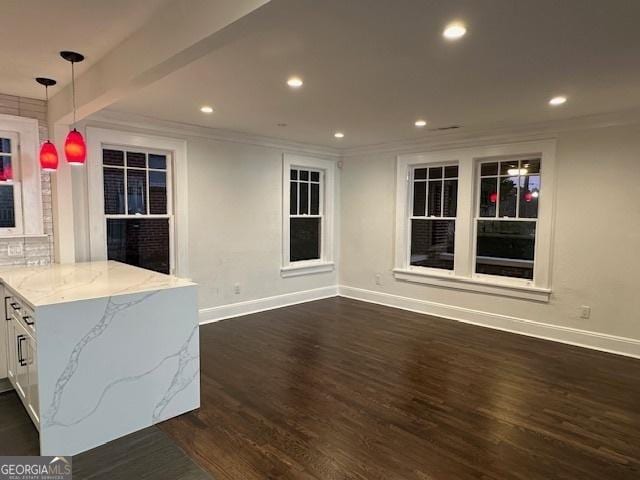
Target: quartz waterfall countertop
[(60, 283)]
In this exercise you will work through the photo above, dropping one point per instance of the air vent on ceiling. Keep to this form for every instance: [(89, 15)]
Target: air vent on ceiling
[(449, 127)]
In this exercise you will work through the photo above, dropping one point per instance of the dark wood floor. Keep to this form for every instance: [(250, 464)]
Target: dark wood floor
[(343, 389)]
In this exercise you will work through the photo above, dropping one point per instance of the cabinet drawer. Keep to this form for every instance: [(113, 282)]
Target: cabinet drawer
[(22, 314)]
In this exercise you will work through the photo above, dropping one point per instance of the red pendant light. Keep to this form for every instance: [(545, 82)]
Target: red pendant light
[(48, 151), (75, 148)]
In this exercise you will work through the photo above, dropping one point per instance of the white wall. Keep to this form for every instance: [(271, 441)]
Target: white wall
[(596, 248), (235, 223)]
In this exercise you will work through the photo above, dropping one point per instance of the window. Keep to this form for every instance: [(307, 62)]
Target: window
[(10, 196), (137, 207), (305, 218), (307, 215), (477, 219), (507, 213), (433, 216)]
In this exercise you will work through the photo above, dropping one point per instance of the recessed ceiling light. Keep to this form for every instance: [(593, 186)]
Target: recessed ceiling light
[(420, 123), (555, 101), (338, 135), (294, 82), (454, 31), (206, 109)]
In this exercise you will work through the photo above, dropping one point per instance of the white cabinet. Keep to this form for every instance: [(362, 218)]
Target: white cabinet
[(4, 344), (22, 357)]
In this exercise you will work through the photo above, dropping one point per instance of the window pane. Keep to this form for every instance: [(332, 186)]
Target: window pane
[(136, 159), (143, 242), (6, 172), (489, 169), (532, 166), (508, 196), (304, 175), (420, 173), (435, 172), (294, 174), (488, 197), (315, 176), (435, 198), (157, 192), (450, 198), (113, 180), (304, 198), (304, 239), (419, 198), (7, 208), (137, 191), (315, 198), (432, 243), (451, 172), (158, 161), (5, 145), (508, 165), (113, 157), (293, 197), (529, 194), (506, 248)]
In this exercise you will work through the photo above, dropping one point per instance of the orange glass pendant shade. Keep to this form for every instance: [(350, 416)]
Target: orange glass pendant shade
[(75, 150), (48, 157)]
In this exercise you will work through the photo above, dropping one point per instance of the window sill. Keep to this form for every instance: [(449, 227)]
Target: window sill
[(10, 236), (306, 268), (474, 285)]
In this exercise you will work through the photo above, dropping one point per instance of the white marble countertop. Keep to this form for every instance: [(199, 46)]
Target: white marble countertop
[(60, 283)]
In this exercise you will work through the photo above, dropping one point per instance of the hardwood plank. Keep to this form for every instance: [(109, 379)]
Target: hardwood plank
[(344, 389)]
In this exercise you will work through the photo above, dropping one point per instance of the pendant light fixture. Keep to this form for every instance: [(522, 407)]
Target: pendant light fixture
[(75, 149), (48, 151)]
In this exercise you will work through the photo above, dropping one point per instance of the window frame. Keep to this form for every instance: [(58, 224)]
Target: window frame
[(28, 186), (411, 217), (15, 182), (326, 212), (177, 190), (463, 277)]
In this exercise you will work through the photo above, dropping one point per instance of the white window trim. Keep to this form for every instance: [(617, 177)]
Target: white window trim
[(463, 276), (327, 195), (27, 189), (97, 138)]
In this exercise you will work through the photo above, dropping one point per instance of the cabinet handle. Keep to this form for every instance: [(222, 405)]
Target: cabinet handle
[(27, 321), (21, 360), (15, 306), (6, 310)]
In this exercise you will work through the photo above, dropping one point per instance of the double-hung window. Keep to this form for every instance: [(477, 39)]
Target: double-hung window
[(433, 216), (138, 208), (477, 219), (10, 195), (308, 192)]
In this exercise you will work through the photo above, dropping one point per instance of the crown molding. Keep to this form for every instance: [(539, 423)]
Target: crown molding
[(115, 119), (498, 133)]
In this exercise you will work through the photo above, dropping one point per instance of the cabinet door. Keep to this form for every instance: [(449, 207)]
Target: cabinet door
[(12, 352), (32, 389), (4, 342), (20, 337)]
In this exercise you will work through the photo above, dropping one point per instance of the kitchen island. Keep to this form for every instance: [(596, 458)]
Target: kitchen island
[(99, 350)]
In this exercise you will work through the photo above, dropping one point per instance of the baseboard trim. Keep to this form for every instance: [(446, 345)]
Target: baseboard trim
[(214, 314), (581, 338)]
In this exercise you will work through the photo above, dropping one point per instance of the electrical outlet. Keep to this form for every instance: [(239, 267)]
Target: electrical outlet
[(15, 250), (236, 288), (585, 311), (378, 279)]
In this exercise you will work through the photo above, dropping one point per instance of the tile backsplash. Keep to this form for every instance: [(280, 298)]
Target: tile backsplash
[(30, 250)]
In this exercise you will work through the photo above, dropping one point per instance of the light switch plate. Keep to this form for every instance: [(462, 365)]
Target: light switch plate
[(15, 250)]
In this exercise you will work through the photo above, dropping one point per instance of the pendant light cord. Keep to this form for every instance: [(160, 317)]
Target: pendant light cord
[(73, 90)]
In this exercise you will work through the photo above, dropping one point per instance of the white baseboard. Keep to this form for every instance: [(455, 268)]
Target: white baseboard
[(582, 338), (213, 314)]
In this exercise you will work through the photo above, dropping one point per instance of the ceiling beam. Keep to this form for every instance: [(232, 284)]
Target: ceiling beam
[(179, 33)]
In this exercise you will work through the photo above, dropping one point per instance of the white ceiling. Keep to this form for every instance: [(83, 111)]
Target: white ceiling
[(33, 32), (372, 67)]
